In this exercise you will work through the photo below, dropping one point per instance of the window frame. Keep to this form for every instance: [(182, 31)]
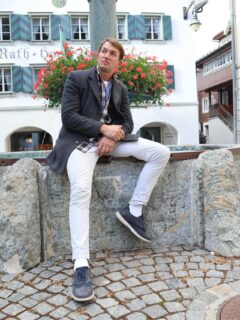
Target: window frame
[(79, 16), (161, 31), (5, 15), (2, 67), (41, 16), (125, 16), (205, 105)]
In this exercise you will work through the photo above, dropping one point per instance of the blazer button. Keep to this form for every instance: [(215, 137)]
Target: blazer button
[(76, 141)]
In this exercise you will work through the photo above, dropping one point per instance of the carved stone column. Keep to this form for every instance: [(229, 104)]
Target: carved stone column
[(102, 21)]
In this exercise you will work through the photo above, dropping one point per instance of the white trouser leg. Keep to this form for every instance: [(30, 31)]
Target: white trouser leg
[(156, 157), (80, 168)]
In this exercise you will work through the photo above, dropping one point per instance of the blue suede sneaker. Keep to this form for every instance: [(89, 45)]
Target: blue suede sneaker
[(134, 224), (82, 285)]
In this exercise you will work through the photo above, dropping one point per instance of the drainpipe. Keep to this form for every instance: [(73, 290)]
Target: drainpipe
[(236, 111)]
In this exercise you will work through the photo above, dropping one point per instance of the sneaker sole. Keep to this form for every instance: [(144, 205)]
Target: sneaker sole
[(86, 299), (120, 218)]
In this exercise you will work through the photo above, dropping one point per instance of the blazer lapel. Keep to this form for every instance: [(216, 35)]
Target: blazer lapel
[(116, 94), (93, 82)]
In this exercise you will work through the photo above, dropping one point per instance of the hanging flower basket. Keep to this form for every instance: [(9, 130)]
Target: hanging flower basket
[(147, 78)]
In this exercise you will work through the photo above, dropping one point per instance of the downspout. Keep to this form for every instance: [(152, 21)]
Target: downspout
[(234, 74)]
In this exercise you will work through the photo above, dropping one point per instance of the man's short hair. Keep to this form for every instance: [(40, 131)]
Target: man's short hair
[(115, 44)]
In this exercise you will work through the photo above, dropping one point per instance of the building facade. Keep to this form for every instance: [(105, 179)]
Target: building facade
[(215, 91), (30, 31)]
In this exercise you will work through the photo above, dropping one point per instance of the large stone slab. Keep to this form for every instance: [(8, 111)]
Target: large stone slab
[(221, 202), (20, 240)]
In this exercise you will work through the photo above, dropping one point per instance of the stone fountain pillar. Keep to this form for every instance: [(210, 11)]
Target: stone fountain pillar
[(102, 21)]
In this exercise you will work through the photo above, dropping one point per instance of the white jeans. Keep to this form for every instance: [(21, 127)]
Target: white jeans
[(80, 168)]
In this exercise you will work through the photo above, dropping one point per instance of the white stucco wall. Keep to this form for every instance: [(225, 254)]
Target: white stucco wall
[(20, 110), (219, 133)]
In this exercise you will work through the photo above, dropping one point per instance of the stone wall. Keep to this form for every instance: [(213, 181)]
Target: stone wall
[(196, 202)]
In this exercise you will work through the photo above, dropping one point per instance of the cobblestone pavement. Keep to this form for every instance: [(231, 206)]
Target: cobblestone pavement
[(171, 284)]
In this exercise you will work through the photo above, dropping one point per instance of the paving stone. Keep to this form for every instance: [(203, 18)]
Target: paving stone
[(155, 311), (235, 285), (28, 302), (137, 316), (132, 264), (107, 302), (3, 303), (152, 298), (158, 286), (165, 275), (114, 276), (116, 287), (174, 307), (181, 259), (188, 293), (14, 285), (37, 270), (103, 316), (7, 277), (132, 272), (43, 308), (196, 273), (58, 300), (214, 274), (146, 278), (41, 296), (15, 297), (47, 274), (147, 269), (55, 268), (196, 259), (223, 267), (177, 266), (170, 295), (131, 282), (118, 311), (4, 293), (235, 274), (147, 261), (210, 282), (125, 295), (177, 316), (160, 260), (66, 265), (28, 315), (27, 290), (59, 313), (98, 271), (101, 292), (115, 267), (180, 274), (139, 291), (43, 284), (136, 304), (195, 315), (93, 309), (175, 283), (162, 267), (197, 282), (101, 281), (55, 288), (13, 309), (27, 276), (192, 265), (207, 266)]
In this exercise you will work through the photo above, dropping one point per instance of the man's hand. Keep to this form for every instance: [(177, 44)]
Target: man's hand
[(105, 146), (113, 131)]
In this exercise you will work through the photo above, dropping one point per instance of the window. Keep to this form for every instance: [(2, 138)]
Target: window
[(218, 63), (224, 97), (79, 28), (5, 80), (4, 28), (205, 105), (152, 28), (121, 28), (40, 28)]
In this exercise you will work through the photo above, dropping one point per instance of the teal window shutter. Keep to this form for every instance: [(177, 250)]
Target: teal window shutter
[(131, 27), (136, 27), (55, 21), (167, 28), (25, 28), (17, 78), (15, 26), (27, 83), (172, 85), (66, 26)]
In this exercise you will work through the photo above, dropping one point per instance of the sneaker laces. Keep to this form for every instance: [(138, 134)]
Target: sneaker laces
[(82, 273)]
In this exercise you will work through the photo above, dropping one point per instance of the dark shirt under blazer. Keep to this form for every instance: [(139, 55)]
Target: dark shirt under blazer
[(81, 114)]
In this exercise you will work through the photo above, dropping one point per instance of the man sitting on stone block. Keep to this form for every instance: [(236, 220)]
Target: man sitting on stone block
[(96, 122)]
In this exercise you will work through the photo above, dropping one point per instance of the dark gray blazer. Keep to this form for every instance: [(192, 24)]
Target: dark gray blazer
[(81, 112)]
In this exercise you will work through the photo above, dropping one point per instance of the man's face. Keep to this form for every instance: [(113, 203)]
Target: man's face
[(108, 58)]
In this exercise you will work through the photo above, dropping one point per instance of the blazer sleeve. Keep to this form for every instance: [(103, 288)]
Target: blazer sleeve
[(71, 107)]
